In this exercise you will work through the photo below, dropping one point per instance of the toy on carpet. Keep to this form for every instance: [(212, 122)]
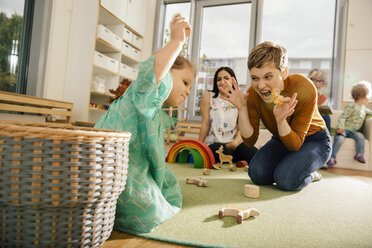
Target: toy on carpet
[(225, 158), (201, 149), (240, 213), (241, 163), (216, 166), (251, 191), (206, 171), (198, 181)]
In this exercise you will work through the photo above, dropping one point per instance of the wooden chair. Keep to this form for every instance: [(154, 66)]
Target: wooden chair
[(183, 129), (11, 102)]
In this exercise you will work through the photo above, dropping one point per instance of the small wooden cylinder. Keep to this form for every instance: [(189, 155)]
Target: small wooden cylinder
[(251, 191)]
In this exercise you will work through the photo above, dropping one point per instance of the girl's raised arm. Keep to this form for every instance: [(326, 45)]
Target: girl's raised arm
[(166, 56)]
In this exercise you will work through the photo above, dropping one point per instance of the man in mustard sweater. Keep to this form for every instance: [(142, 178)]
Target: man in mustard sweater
[(301, 143)]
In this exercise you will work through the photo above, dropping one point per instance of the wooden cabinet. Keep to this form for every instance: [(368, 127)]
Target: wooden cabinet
[(118, 50), (133, 19)]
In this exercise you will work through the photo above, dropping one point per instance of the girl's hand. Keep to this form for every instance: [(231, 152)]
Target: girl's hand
[(178, 28), (339, 130), (282, 111), (235, 96)]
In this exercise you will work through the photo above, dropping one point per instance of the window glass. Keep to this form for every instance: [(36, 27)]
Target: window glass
[(11, 17), (305, 28), (224, 42), (170, 11)]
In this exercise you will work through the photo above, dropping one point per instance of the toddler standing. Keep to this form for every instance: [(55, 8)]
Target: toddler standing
[(350, 121), (152, 193)]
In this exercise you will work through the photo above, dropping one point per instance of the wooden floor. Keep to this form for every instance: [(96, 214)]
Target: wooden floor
[(118, 240)]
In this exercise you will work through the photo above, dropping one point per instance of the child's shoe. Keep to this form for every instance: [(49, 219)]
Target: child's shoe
[(359, 157), (316, 176), (331, 162)]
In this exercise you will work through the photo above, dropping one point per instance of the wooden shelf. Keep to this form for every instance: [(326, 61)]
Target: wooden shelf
[(125, 77), (104, 47), (130, 59), (97, 109), (96, 93), (130, 43), (101, 70)]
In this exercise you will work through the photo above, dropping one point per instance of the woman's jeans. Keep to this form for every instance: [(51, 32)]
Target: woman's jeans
[(242, 152), (340, 138), (274, 163)]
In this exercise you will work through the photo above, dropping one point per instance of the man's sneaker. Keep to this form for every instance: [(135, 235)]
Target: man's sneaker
[(359, 157), (316, 176), (331, 162)]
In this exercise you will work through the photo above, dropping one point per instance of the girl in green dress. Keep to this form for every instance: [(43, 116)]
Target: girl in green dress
[(152, 193)]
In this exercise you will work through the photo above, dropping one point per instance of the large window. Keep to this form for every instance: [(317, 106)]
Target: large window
[(225, 30), (306, 29), (15, 34), (222, 39)]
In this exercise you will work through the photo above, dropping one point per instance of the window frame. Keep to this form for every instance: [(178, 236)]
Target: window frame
[(24, 53), (338, 54)]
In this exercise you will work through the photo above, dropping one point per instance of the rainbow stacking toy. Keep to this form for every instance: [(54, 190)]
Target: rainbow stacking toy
[(200, 152)]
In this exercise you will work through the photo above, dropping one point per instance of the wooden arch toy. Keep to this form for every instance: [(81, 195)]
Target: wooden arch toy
[(203, 149), (240, 213)]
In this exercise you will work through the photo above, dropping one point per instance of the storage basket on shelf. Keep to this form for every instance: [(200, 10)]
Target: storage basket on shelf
[(59, 183)]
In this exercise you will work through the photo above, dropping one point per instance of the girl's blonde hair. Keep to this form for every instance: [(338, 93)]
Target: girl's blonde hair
[(181, 62), (268, 52), (361, 89)]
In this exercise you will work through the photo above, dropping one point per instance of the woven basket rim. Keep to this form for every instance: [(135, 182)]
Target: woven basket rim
[(57, 131)]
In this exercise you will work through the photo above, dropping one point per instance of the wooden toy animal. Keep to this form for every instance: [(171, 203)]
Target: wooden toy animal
[(240, 213), (223, 157), (198, 181)]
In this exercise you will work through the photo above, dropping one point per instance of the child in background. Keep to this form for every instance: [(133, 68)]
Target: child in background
[(319, 78), (350, 121), (152, 193)]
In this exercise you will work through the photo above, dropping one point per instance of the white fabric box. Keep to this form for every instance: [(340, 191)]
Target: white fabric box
[(112, 64), (136, 54), (127, 50), (106, 62), (133, 73), (125, 70), (127, 35), (99, 59), (108, 36), (137, 41)]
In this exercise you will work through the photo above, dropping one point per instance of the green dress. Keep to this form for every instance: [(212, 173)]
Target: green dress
[(152, 193)]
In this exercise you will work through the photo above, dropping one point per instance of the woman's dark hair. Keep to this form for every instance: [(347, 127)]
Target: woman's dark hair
[(215, 87)]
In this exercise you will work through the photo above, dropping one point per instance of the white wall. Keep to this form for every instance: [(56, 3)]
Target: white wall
[(358, 50), (71, 42), (68, 66)]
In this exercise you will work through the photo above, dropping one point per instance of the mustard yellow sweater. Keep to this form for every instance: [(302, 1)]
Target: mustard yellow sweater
[(305, 120)]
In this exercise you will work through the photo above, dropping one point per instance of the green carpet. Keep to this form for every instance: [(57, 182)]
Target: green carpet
[(334, 212)]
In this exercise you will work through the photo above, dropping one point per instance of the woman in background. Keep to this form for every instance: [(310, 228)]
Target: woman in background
[(319, 78), (220, 121)]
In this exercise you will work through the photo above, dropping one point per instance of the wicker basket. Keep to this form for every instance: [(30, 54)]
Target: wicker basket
[(59, 184)]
